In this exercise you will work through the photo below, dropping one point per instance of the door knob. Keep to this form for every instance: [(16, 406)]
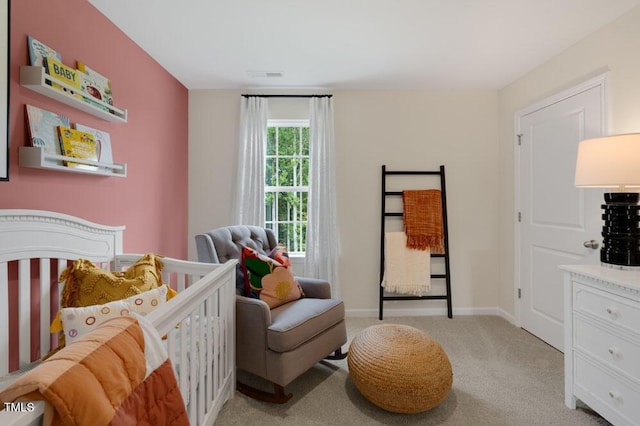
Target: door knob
[(592, 244)]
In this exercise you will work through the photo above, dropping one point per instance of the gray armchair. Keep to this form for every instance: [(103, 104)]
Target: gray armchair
[(282, 343)]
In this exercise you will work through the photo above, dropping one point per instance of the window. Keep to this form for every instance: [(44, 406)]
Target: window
[(287, 182)]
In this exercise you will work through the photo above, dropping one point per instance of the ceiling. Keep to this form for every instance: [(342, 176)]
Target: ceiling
[(356, 44)]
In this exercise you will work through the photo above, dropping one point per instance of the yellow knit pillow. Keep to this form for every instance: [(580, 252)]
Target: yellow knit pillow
[(86, 284)]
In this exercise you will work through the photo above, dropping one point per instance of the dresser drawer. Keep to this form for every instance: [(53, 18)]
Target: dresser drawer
[(611, 308), (606, 394), (611, 349)]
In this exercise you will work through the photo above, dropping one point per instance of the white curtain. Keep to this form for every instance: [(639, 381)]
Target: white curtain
[(248, 208), (323, 248)]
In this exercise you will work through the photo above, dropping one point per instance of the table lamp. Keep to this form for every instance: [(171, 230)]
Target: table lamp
[(613, 162)]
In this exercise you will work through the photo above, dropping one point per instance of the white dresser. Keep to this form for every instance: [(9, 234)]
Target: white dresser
[(602, 341)]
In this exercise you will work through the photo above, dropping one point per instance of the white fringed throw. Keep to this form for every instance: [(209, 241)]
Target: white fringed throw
[(407, 271)]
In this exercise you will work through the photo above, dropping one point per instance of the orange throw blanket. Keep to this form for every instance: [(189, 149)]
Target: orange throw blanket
[(422, 213), (102, 379)]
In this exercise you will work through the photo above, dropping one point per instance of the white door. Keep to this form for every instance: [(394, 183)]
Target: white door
[(555, 218)]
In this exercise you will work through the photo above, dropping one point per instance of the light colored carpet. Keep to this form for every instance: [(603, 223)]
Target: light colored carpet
[(502, 375)]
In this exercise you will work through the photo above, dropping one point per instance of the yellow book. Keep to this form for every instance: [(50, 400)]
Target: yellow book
[(63, 73), (77, 144)]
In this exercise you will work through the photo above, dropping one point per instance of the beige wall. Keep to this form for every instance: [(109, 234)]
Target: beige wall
[(614, 48), (402, 129), (417, 130)]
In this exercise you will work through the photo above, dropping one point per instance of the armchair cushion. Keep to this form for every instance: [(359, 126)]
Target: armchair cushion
[(293, 324)]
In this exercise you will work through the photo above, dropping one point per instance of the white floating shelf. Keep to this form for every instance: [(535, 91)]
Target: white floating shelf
[(36, 79), (31, 156)]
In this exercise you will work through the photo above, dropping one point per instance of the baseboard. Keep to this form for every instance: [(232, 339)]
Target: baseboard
[(390, 312)]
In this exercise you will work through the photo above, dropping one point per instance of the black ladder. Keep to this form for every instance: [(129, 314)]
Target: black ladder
[(390, 214)]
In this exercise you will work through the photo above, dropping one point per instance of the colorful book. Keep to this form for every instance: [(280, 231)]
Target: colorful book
[(95, 84), (66, 74), (77, 144), (38, 51), (103, 142), (42, 126)]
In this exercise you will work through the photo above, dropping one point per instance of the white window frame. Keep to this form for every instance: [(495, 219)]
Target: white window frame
[(285, 123)]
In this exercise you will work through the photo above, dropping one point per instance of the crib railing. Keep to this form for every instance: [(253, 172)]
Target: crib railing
[(199, 326)]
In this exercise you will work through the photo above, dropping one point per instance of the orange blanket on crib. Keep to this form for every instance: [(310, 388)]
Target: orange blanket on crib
[(422, 214), (102, 379)]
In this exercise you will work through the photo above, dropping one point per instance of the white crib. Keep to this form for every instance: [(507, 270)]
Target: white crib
[(35, 246)]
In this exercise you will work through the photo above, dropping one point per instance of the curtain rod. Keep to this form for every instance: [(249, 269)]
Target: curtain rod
[(285, 96)]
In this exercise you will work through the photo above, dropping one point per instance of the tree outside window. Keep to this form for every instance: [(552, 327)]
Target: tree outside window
[(287, 182)]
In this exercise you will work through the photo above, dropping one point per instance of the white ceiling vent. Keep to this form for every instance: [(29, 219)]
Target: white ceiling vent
[(265, 74)]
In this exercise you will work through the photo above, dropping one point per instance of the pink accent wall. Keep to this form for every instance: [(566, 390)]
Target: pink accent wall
[(152, 200)]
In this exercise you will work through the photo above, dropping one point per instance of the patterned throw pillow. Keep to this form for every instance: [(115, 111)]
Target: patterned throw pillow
[(268, 279), (255, 266), (281, 255), (77, 322), (280, 287)]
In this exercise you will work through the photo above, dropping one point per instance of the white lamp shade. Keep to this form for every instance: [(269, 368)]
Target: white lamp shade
[(609, 162)]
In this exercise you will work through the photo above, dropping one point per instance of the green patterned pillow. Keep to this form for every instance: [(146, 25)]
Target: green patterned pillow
[(269, 280), (254, 267)]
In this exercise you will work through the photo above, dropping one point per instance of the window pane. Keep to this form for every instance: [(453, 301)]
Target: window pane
[(286, 237), (295, 167), (301, 231), (305, 141), (287, 140), (271, 177), (287, 206), (302, 207), (305, 171), (269, 205), (285, 172), (303, 197), (271, 141)]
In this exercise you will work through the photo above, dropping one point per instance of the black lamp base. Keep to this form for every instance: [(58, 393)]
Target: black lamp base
[(621, 229)]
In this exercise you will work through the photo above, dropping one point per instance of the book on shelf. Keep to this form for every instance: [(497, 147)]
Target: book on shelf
[(38, 54), (96, 85), (42, 128), (103, 142), (38, 51), (78, 144), (68, 75)]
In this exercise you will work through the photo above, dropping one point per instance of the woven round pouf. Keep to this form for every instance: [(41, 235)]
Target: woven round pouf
[(399, 368)]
